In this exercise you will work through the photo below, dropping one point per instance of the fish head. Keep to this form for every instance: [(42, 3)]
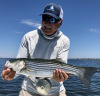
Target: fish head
[(16, 65)]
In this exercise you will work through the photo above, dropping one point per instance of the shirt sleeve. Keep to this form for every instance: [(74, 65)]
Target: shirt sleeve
[(23, 50), (63, 51)]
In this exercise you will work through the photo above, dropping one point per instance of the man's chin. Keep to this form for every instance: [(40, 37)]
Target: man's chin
[(47, 33)]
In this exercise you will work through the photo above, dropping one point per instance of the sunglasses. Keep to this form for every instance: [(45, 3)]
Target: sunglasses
[(51, 19)]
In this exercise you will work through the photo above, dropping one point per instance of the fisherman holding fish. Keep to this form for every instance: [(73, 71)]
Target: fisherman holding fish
[(46, 42)]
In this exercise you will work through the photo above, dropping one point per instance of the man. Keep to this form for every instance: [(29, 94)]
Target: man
[(46, 42)]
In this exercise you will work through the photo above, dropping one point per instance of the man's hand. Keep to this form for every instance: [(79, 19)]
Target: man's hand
[(60, 75), (8, 74)]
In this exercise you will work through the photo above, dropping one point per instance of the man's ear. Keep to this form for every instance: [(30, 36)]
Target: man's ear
[(60, 22)]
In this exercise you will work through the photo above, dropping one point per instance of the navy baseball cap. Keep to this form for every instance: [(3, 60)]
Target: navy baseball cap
[(53, 10)]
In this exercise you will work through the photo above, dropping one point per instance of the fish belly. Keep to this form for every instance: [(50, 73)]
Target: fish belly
[(42, 74)]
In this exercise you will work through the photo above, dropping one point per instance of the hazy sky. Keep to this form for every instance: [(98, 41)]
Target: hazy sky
[(81, 23)]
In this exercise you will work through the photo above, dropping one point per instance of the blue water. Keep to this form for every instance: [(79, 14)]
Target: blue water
[(74, 87)]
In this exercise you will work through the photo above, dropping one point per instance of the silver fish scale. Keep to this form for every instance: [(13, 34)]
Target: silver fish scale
[(38, 66)]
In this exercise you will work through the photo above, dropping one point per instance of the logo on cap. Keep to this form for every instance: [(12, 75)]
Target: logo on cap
[(51, 8)]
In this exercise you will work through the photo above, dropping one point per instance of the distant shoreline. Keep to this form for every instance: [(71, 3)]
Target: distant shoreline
[(86, 58), (68, 58)]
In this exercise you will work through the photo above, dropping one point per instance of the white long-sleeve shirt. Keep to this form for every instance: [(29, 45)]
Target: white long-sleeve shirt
[(35, 44)]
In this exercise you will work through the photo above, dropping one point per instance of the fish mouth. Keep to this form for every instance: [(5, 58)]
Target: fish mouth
[(7, 63)]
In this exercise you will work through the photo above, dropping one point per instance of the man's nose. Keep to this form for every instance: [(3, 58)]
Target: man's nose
[(48, 21)]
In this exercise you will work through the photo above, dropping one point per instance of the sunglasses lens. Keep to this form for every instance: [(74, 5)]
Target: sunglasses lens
[(44, 18), (51, 19)]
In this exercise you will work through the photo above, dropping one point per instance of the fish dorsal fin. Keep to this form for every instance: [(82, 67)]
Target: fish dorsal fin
[(60, 59)]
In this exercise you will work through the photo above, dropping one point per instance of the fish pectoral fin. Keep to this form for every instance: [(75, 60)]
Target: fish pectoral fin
[(59, 59)]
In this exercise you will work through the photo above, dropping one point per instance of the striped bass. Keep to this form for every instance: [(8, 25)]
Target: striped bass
[(44, 68)]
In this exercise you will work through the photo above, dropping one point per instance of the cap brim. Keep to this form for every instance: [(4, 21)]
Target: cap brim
[(56, 17)]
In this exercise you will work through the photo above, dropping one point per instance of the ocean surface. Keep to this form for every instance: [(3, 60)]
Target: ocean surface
[(74, 87)]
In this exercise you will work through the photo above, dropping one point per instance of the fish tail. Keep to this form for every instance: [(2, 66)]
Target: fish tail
[(85, 74)]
